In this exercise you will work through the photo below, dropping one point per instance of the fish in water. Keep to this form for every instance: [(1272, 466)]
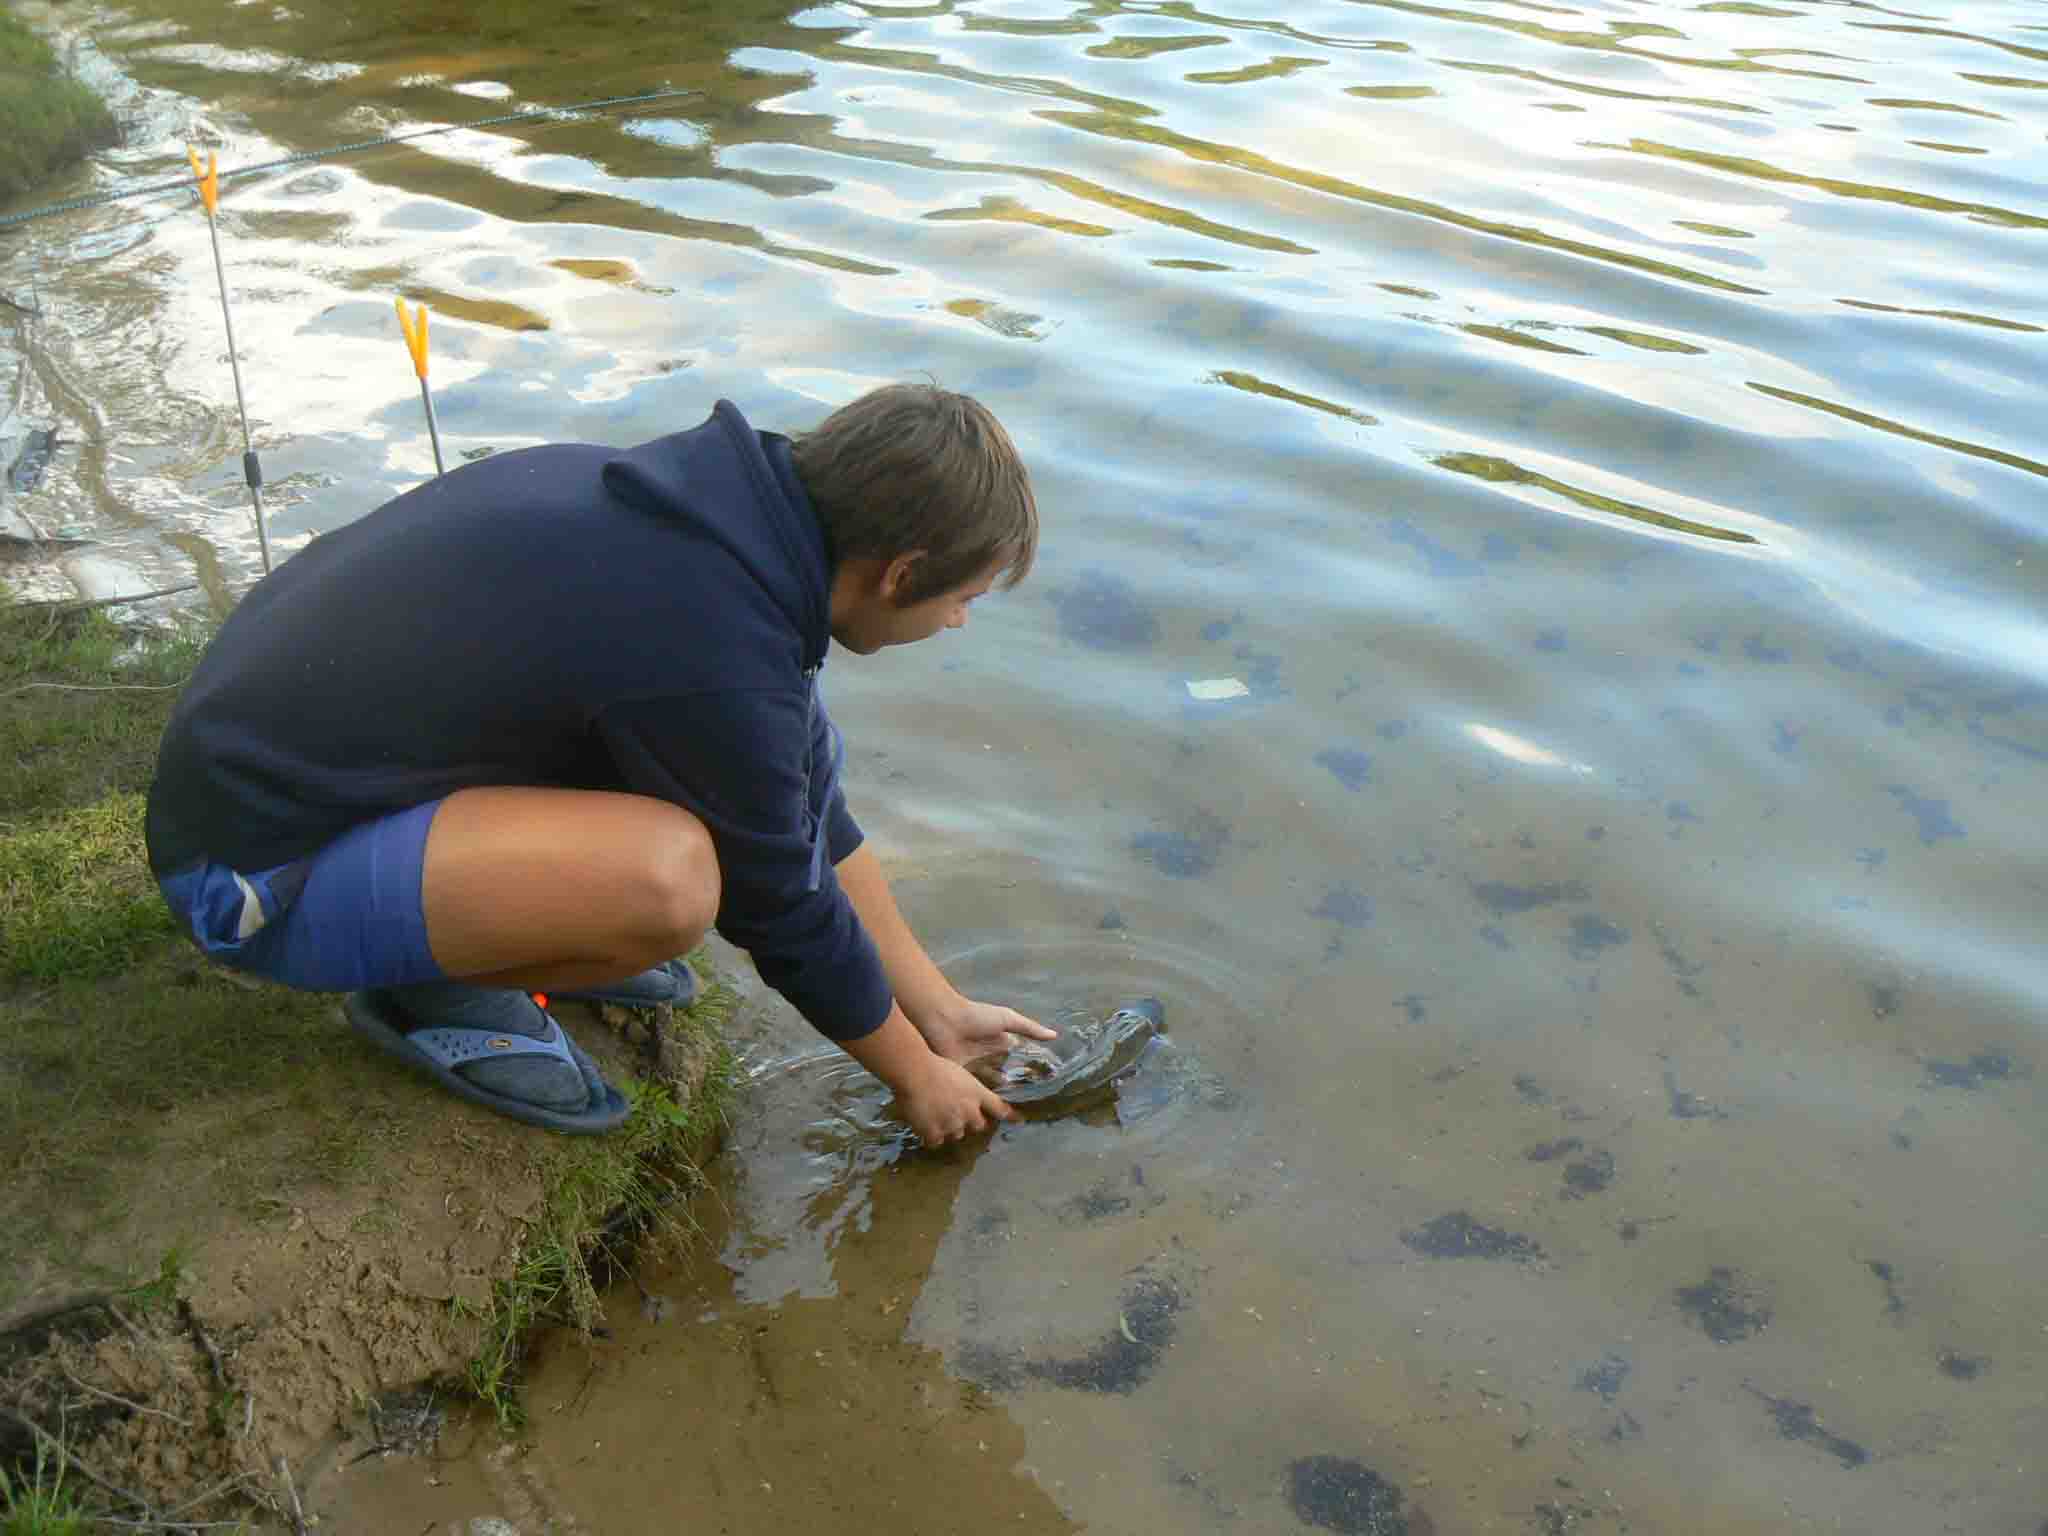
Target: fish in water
[(34, 458), (1041, 1082)]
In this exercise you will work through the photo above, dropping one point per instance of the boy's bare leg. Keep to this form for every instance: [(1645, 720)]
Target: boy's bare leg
[(563, 888)]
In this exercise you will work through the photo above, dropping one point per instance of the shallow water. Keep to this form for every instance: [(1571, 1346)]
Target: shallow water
[(1602, 443)]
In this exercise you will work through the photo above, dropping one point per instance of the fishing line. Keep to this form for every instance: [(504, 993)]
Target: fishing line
[(312, 156)]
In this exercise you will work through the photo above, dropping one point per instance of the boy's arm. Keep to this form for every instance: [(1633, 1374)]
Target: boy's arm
[(955, 1027)]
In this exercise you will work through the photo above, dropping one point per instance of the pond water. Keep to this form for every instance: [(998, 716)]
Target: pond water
[(1537, 660)]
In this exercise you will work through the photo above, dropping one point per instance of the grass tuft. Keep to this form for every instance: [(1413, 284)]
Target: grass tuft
[(36, 1502), (76, 894), (47, 119)]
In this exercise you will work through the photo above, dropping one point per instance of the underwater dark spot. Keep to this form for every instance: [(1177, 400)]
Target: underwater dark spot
[(1963, 1367), (1352, 768), (1344, 904), (1455, 1235), (1884, 1000), (1687, 1106), (1605, 1378), (1870, 858), (1590, 934), (1104, 612), (1691, 669), (1851, 660), (1112, 921), (1336, 1493), (1629, 1231), (1594, 834), (1501, 899), (1550, 1151), (1094, 1204), (1496, 938), (1711, 644), (1888, 1277), (1932, 815), (1443, 563), (1784, 740), (1798, 1421), (1561, 1519), (1392, 730), (1985, 1067), (1411, 1006), (1756, 650), (1589, 1175), (1215, 630), (1123, 1361), (1550, 640), (1627, 1427), (1190, 851), (1531, 1091), (1722, 1307), (1678, 810)]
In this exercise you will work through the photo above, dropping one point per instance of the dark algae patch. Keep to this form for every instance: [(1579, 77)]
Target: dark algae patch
[(1351, 768), (1122, 1362), (1455, 1235), (1502, 899), (1984, 1067), (1687, 1106), (1185, 851), (1551, 1151), (1105, 613), (1723, 1307), (1591, 934), (1798, 1421), (1960, 1367), (1337, 1493), (1894, 1304), (1932, 815), (1605, 1378), (1345, 905), (1588, 1175)]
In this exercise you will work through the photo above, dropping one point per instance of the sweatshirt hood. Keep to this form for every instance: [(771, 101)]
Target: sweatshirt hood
[(740, 486)]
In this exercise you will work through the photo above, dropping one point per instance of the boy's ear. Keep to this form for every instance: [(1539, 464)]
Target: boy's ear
[(896, 574)]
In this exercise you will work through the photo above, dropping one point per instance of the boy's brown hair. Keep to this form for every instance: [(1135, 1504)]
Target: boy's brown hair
[(914, 467)]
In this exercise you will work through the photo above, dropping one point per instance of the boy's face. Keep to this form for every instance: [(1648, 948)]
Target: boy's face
[(866, 616)]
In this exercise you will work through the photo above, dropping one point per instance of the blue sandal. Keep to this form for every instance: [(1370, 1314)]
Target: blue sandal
[(671, 982), (451, 1054)]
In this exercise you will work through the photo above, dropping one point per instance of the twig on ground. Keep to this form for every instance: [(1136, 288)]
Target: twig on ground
[(97, 688), (85, 1386), (248, 1414), (86, 604), (153, 1524), (205, 1340), (284, 1469), (226, 1486)]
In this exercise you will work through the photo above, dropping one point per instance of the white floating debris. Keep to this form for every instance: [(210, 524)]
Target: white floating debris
[(1210, 688), (1519, 749)]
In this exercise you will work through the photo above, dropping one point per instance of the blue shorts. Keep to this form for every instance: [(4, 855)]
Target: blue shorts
[(345, 918)]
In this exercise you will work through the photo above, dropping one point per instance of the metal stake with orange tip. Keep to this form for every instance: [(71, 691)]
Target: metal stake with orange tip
[(416, 343), (252, 471)]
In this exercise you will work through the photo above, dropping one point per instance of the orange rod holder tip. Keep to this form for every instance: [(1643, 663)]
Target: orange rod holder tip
[(252, 470), (416, 343), (208, 179)]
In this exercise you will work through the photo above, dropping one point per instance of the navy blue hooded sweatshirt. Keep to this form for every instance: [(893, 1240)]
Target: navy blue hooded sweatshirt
[(650, 621)]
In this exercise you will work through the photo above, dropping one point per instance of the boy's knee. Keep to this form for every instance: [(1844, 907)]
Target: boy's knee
[(686, 887)]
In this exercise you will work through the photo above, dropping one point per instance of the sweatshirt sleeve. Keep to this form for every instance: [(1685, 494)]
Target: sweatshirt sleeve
[(744, 764), (842, 833)]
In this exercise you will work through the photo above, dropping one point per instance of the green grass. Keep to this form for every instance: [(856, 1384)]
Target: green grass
[(37, 1503), (47, 119), (76, 895)]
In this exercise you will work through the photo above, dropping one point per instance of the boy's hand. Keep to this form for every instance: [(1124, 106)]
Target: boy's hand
[(964, 1029), (944, 1103)]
